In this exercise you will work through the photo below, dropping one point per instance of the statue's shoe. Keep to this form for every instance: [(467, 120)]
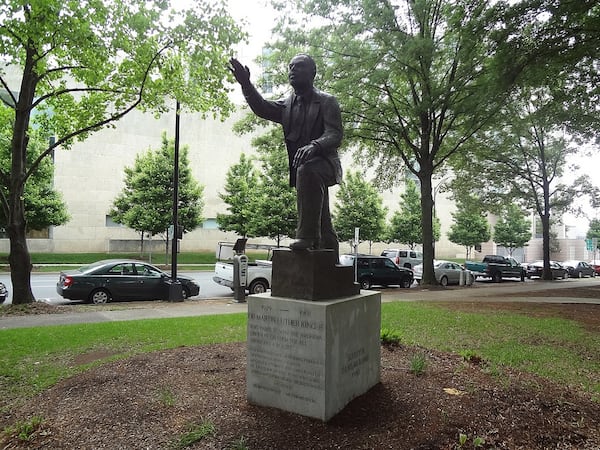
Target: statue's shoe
[(304, 244)]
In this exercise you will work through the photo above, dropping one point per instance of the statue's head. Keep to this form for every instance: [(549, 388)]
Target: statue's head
[(301, 72)]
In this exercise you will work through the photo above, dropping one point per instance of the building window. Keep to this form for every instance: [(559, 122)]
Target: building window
[(110, 223)]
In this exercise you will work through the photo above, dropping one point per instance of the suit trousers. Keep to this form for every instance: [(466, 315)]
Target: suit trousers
[(313, 179)]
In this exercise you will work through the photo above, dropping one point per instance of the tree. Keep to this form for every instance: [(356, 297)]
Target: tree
[(470, 227), (522, 159), (83, 65), (146, 202), (415, 80), (359, 205), (405, 225), (273, 207), (512, 230), (241, 190), (43, 205), (594, 233)]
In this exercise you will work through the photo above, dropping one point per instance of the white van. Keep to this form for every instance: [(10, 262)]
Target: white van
[(404, 258)]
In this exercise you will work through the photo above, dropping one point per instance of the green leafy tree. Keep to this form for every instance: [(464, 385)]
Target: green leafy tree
[(523, 159), (593, 232), (241, 190), (470, 227), (406, 223), (359, 205), (43, 205), (415, 80), (83, 65), (273, 208), (512, 230), (146, 202)]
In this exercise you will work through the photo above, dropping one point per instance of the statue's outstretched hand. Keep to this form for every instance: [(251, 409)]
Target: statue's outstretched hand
[(240, 72)]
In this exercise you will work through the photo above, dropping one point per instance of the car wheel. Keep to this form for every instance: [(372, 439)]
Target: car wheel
[(444, 281), (100, 296), (365, 283), (185, 293), (497, 277), (405, 283), (258, 287), (580, 274)]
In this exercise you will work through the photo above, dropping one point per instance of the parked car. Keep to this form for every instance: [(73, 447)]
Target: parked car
[(404, 258), (536, 269), (378, 270), (117, 279), (497, 268), (579, 269), (446, 272), (595, 263), (3, 293)]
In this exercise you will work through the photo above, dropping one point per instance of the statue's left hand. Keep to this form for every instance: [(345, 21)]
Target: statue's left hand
[(303, 154)]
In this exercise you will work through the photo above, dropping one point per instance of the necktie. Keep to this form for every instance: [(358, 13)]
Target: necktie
[(297, 120)]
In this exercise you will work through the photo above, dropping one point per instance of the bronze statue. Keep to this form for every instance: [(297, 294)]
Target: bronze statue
[(312, 126)]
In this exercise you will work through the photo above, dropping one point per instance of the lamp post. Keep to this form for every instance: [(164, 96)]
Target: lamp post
[(175, 289)]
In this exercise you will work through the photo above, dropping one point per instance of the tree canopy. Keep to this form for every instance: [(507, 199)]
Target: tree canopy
[(523, 159), (405, 225), (358, 204), (146, 202), (240, 191), (44, 206), (273, 208), (415, 80), (71, 68), (512, 230), (470, 227)]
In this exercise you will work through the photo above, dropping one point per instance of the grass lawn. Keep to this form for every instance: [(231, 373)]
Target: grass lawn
[(34, 358)]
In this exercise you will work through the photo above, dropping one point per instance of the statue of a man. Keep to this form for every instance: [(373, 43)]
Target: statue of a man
[(312, 126)]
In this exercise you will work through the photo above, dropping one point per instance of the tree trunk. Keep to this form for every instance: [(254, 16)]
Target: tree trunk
[(547, 273), (427, 227), (19, 258), (545, 217)]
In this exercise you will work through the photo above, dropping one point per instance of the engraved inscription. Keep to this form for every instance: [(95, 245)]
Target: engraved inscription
[(284, 352)]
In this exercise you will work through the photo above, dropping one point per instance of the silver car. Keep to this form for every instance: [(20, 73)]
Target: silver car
[(446, 272)]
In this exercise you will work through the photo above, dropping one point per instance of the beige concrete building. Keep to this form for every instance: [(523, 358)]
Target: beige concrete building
[(90, 176)]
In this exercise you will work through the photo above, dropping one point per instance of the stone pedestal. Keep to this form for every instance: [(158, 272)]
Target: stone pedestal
[(312, 358), (311, 275)]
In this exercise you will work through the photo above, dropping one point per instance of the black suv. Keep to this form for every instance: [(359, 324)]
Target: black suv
[(378, 270)]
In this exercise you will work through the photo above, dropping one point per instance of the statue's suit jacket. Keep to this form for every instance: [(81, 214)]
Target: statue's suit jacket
[(323, 122)]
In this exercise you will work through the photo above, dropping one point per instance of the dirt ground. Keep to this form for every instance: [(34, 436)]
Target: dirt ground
[(149, 401)]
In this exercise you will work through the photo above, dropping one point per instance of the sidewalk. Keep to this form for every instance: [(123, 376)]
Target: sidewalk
[(481, 292)]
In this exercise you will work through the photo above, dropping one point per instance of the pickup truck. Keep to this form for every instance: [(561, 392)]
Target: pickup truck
[(496, 267), (258, 275)]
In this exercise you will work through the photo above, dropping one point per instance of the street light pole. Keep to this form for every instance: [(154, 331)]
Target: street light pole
[(175, 289)]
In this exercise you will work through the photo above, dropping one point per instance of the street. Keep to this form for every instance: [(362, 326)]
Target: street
[(44, 286)]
